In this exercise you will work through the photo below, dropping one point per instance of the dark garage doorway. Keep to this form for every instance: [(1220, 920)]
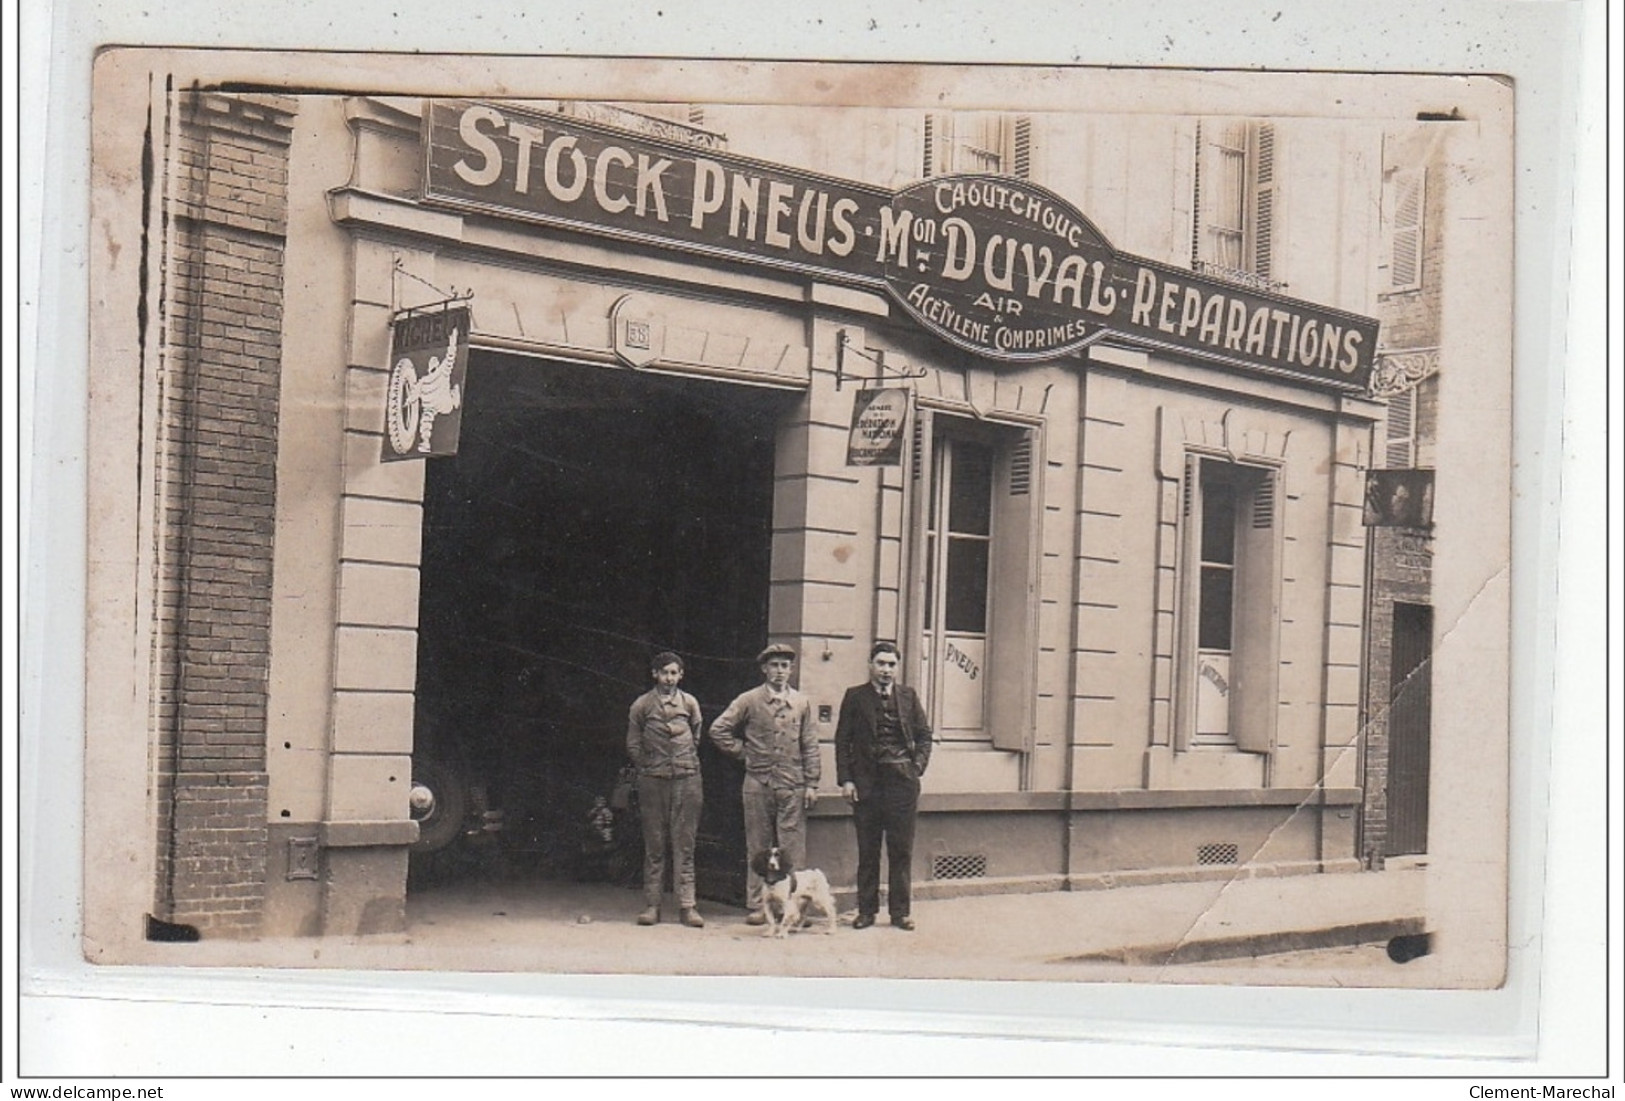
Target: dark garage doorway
[(592, 517)]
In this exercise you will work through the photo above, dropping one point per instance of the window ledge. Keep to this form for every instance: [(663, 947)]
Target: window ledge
[(1142, 799), (833, 806)]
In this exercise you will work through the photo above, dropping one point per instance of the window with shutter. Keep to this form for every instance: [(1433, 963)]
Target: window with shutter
[(1235, 201), (958, 538), (1230, 605), (1225, 206), (976, 143), (1021, 466), (1263, 224), (1400, 437), (944, 143), (1406, 196), (1215, 535), (977, 515), (1021, 156)]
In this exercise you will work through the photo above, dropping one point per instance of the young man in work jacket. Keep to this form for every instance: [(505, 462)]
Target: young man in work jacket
[(662, 738), (882, 745), (772, 730)]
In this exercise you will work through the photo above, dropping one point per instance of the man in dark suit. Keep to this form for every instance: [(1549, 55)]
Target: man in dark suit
[(882, 745)]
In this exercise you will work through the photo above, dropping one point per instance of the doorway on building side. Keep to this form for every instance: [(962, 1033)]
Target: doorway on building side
[(1410, 721)]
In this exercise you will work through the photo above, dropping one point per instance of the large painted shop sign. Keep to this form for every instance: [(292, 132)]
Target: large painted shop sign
[(992, 264)]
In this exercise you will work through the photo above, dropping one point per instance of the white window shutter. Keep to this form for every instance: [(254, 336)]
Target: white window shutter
[(1263, 228), (1264, 503), (1255, 655), (1021, 157), (1400, 438), (1021, 466), (1408, 192), (1196, 199)]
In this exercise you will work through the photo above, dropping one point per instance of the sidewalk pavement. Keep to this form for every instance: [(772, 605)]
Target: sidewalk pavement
[(1160, 933), (1052, 935)]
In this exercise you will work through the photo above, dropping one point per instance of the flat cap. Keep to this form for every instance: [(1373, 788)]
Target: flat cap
[(775, 650)]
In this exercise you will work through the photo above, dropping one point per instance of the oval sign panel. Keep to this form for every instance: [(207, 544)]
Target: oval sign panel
[(997, 266)]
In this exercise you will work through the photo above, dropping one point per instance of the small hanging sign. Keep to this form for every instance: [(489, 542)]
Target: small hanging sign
[(423, 413), (1399, 498), (878, 419)]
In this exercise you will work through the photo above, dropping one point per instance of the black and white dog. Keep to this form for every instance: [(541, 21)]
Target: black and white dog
[(787, 893)]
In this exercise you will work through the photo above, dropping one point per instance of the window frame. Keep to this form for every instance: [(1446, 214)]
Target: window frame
[(1014, 558), (1404, 194), (977, 142), (1253, 656), (1399, 430), (1252, 145)]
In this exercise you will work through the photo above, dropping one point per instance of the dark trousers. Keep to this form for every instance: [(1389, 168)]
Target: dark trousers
[(885, 810)]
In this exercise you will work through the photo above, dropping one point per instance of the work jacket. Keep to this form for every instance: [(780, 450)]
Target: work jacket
[(777, 740), (662, 737)]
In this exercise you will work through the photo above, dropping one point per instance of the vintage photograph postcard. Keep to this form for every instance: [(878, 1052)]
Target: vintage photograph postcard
[(658, 517)]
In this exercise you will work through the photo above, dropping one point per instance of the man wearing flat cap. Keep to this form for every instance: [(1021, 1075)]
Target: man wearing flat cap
[(771, 730)]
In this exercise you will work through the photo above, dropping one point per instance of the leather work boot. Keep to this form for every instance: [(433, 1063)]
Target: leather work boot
[(756, 918), (691, 918), (650, 916)]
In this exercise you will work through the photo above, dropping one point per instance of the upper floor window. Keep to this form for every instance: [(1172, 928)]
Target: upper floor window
[(1233, 228), (1400, 431), (1404, 194), (1410, 429), (983, 143)]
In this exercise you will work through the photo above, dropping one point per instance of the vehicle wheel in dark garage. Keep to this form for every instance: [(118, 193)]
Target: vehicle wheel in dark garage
[(439, 804)]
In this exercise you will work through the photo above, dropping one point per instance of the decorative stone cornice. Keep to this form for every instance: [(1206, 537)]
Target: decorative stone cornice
[(1396, 372)]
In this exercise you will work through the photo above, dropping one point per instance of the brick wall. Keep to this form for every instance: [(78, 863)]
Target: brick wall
[(222, 310), (1427, 422), (1402, 562), (1401, 570)]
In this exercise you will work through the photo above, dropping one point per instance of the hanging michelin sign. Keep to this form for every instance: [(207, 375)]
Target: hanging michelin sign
[(992, 264), (423, 412)]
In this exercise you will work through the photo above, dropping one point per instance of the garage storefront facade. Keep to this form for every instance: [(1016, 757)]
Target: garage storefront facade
[(1108, 499)]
